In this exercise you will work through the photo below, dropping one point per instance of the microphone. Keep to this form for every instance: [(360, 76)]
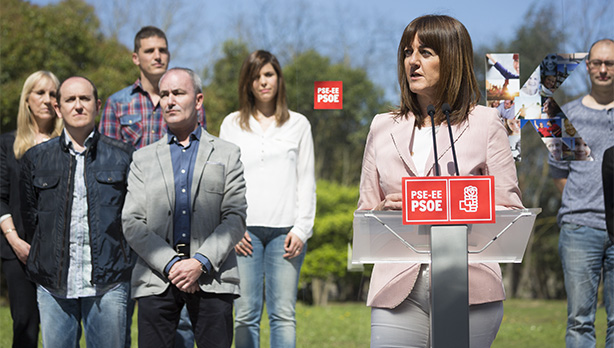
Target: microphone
[(446, 110), (430, 109)]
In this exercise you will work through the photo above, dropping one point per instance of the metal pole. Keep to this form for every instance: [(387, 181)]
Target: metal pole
[(449, 287)]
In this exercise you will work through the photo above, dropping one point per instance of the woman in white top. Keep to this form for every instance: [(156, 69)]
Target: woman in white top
[(277, 153)]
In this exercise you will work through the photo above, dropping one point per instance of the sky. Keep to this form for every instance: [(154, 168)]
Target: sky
[(365, 33)]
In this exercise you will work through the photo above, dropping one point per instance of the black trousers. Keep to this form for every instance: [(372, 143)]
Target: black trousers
[(22, 300), (210, 314)]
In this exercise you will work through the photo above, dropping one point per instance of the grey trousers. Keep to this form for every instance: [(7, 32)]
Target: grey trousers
[(408, 325)]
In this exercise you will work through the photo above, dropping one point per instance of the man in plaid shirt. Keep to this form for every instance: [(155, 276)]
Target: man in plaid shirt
[(133, 114)]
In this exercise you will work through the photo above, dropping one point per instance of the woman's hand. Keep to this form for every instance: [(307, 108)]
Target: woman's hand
[(293, 246), (244, 247), (20, 246), (393, 201)]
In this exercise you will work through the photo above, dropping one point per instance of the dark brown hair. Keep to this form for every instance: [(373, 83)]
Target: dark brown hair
[(147, 32), (247, 101), (457, 84)]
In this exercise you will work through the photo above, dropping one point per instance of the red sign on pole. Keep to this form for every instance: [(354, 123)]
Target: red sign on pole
[(328, 95), (448, 200)]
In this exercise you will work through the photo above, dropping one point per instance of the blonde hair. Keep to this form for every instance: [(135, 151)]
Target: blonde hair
[(247, 101), (25, 137)]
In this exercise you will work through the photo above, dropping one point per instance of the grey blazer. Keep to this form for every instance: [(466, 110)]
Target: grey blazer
[(217, 221)]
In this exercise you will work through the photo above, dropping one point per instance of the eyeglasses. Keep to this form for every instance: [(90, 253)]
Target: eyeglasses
[(596, 63)]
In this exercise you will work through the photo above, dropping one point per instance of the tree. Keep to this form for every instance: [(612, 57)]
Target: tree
[(325, 266), (63, 38), (339, 135), (222, 92)]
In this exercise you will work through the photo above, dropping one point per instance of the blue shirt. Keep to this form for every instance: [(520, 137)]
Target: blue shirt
[(183, 161), (79, 278)]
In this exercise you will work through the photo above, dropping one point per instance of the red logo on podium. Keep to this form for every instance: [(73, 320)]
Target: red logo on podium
[(448, 200)]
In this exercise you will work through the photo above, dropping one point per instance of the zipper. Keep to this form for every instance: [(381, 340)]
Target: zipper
[(65, 230), (89, 218)]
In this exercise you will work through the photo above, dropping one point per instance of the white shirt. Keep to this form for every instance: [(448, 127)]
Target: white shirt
[(423, 144), (279, 172)]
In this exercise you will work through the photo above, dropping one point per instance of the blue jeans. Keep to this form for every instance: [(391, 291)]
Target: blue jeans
[(267, 266), (104, 319), (586, 253)]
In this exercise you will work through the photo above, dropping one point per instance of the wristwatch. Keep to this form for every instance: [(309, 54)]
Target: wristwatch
[(204, 269)]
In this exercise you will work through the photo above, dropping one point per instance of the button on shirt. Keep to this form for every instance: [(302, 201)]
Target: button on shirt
[(279, 172), (184, 159), (79, 279)]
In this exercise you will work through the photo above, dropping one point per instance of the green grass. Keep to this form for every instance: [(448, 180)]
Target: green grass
[(526, 323)]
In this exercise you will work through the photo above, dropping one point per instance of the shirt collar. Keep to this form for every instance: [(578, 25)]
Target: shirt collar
[(68, 142), (137, 86), (195, 135)]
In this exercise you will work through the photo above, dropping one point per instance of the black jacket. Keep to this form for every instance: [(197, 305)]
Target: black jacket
[(47, 188), (10, 172)]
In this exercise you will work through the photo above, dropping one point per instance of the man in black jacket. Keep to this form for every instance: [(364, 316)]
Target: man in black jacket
[(73, 193)]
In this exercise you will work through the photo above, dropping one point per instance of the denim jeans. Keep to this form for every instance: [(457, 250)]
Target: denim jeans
[(586, 253), (104, 319), (266, 274)]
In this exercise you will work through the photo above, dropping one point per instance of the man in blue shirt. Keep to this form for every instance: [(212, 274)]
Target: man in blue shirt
[(183, 215)]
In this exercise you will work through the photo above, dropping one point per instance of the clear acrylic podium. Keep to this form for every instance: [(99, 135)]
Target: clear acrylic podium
[(380, 237)]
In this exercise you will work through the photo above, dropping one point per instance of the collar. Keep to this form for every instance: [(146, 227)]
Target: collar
[(195, 135), (90, 141), (137, 86)]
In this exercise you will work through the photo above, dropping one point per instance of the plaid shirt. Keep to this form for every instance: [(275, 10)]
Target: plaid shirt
[(130, 116)]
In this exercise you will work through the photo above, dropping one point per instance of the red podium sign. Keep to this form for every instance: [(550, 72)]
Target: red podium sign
[(450, 200)]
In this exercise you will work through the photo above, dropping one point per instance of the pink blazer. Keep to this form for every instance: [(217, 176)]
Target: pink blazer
[(482, 148)]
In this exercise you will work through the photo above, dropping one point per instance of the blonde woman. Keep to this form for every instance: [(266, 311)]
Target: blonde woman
[(36, 122)]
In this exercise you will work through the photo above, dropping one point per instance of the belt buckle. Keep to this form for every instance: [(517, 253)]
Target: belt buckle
[(183, 250)]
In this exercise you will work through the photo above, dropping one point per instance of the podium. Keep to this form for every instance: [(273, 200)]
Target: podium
[(380, 237)]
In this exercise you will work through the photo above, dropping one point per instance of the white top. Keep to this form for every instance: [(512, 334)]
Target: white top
[(279, 172), (422, 146)]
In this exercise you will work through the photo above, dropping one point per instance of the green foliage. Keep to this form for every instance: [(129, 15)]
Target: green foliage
[(63, 38), (339, 135), (327, 250), (324, 262), (221, 94)]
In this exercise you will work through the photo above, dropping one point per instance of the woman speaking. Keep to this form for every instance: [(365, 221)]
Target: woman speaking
[(435, 66)]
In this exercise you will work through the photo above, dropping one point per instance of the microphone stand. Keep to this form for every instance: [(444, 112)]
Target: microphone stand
[(446, 110), (430, 109)]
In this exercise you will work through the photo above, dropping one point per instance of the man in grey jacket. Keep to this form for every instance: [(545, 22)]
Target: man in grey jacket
[(184, 212)]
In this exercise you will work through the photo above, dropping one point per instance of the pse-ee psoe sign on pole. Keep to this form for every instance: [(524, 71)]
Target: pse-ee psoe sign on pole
[(450, 200)]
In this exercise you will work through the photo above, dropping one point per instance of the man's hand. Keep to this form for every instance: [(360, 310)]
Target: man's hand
[(184, 275)]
